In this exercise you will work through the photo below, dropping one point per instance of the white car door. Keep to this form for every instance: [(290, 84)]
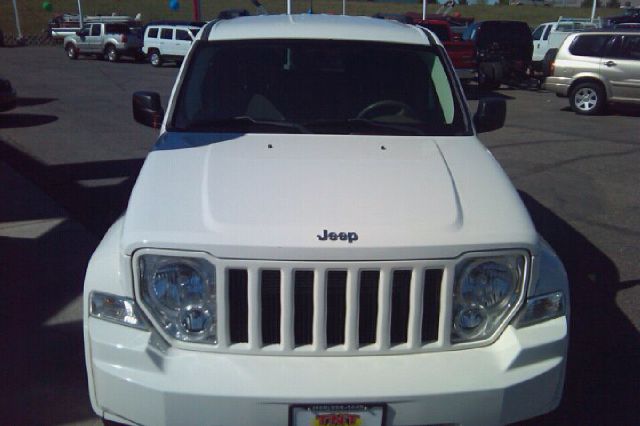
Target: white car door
[(182, 42), (541, 41), (165, 43)]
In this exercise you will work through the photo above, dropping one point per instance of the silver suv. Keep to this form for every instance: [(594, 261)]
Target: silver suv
[(596, 68), (108, 40)]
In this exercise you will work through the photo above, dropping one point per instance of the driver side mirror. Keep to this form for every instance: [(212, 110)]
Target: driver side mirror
[(147, 109), (82, 33), (490, 115)]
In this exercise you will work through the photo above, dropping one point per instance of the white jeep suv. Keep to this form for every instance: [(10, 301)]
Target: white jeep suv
[(318, 237), (168, 41)]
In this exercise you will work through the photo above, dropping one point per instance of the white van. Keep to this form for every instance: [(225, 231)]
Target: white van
[(168, 41)]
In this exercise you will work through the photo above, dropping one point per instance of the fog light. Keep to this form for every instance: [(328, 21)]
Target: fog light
[(470, 321), (195, 319)]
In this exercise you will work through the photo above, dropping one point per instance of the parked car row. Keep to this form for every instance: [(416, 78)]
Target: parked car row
[(594, 69), (158, 41), (8, 96)]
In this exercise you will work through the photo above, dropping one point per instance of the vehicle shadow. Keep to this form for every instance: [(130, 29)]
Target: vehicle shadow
[(94, 194), (474, 93), (622, 110), (603, 369), (43, 380), (42, 273), (12, 120), (33, 101)]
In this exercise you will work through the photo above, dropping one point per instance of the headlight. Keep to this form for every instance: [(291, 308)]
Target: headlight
[(180, 295), (486, 291)]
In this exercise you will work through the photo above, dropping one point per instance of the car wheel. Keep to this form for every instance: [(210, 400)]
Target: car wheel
[(111, 54), (155, 58), (587, 98), (72, 52), (485, 83)]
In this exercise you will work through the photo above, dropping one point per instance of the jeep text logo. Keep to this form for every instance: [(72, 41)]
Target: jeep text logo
[(342, 236)]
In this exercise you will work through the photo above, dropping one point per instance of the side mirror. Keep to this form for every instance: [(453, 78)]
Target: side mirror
[(82, 33), (491, 114), (147, 109)]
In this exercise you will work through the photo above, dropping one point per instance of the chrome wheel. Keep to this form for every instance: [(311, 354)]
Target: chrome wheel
[(155, 59), (585, 99), (72, 53), (111, 54)]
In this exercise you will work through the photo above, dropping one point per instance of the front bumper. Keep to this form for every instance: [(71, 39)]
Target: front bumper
[(136, 378), (558, 85)]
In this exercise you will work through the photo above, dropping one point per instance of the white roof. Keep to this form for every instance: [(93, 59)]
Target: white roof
[(330, 27)]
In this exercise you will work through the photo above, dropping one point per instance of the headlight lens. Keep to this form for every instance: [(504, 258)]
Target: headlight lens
[(180, 293), (486, 291)]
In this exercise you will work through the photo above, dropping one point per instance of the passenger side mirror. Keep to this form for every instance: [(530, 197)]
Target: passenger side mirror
[(490, 115), (147, 109)]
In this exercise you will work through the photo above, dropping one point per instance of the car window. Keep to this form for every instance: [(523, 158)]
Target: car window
[(329, 87), (441, 31), (166, 33), (95, 30), (537, 34), (546, 33), (182, 35), (626, 47), (152, 33), (116, 29), (194, 31), (589, 45)]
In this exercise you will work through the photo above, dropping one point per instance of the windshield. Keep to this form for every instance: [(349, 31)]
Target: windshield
[(310, 86)]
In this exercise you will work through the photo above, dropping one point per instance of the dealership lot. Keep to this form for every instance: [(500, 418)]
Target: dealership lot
[(70, 152)]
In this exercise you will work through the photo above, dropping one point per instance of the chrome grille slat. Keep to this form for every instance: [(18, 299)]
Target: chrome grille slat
[(383, 334), (415, 309), (352, 307), (320, 311), (255, 309), (287, 305)]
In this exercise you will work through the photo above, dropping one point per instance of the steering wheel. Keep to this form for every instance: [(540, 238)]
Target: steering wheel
[(401, 107)]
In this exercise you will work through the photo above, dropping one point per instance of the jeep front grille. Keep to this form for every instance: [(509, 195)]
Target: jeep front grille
[(329, 308)]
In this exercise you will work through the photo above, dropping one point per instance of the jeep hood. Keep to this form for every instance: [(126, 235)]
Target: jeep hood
[(262, 196)]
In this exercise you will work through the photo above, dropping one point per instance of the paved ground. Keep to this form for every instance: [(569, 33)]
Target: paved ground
[(70, 153)]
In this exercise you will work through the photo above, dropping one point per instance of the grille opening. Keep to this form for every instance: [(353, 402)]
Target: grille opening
[(237, 291), (270, 299), (303, 308), (400, 296), (336, 306), (431, 305), (368, 307)]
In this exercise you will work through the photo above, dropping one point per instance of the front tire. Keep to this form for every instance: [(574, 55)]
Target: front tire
[(72, 51), (155, 59), (111, 54), (587, 98)]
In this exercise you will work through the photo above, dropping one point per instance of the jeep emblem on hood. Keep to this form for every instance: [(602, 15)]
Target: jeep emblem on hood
[(342, 236)]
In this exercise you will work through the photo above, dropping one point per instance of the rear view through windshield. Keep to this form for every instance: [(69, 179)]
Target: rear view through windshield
[(309, 86)]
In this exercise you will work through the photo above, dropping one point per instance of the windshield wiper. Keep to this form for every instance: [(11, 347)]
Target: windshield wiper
[(355, 124), (241, 120)]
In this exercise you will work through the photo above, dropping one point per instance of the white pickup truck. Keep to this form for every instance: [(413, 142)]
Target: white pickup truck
[(550, 35), (319, 238)]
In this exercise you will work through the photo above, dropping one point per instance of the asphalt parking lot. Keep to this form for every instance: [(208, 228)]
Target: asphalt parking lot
[(70, 153)]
